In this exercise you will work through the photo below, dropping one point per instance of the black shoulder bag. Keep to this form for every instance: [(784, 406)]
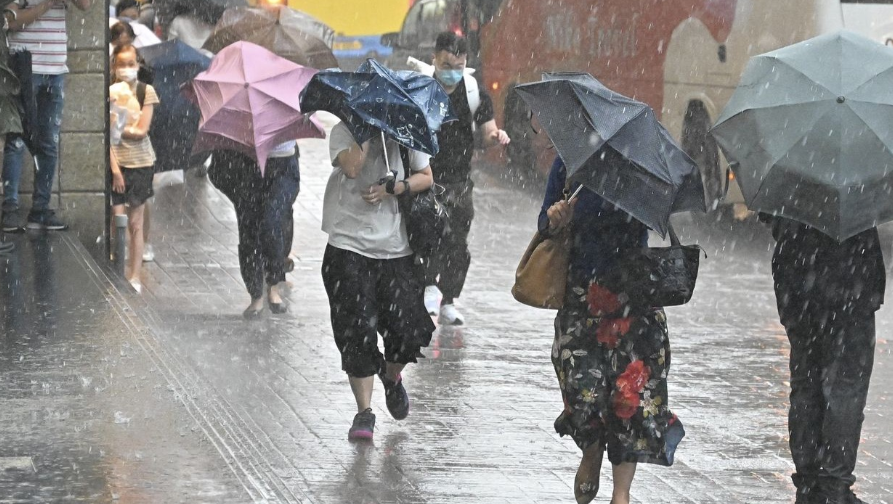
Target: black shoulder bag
[(656, 276), (425, 216)]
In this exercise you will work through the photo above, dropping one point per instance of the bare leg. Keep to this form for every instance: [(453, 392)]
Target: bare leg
[(116, 210), (623, 481), (147, 214), (273, 294), (135, 222), (362, 391), (586, 482), (392, 370)]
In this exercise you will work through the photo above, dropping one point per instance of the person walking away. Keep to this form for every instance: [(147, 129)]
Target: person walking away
[(133, 159), (827, 295), (10, 121), (263, 205), (41, 29), (611, 357), (448, 266), (369, 273)]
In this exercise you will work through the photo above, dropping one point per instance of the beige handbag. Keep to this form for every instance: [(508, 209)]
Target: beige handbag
[(541, 277)]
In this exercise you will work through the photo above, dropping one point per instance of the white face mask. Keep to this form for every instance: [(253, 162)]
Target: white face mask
[(127, 74)]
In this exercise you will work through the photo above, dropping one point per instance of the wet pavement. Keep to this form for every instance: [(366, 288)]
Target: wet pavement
[(216, 409)]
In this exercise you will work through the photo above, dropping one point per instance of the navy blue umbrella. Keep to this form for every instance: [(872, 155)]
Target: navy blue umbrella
[(176, 119), (407, 106)]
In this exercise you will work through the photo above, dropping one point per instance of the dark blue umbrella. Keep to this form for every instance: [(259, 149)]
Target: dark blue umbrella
[(176, 119), (408, 106)]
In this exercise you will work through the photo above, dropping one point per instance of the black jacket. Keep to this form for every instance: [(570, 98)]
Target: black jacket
[(813, 270)]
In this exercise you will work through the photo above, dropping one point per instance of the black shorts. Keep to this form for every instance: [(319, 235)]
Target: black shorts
[(137, 186), (368, 297)]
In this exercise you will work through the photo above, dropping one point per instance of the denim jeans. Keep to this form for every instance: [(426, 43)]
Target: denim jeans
[(49, 95)]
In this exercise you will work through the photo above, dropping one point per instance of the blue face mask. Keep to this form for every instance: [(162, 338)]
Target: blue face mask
[(449, 78)]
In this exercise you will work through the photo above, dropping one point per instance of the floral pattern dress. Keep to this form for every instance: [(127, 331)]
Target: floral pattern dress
[(612, 366)]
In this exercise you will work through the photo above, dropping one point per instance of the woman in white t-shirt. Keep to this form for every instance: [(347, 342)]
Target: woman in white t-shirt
[(368, 270)]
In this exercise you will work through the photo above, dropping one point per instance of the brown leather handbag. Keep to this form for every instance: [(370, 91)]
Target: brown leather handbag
[(541, 277)]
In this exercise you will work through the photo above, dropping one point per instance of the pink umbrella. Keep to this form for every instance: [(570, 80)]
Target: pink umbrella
[(250, 101)]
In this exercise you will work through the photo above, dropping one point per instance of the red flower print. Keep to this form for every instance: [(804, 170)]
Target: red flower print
[(602, 301), (626, 402), (634, 377), (610, 331)]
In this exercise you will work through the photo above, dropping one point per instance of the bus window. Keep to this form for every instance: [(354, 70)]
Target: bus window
[(409, 35)]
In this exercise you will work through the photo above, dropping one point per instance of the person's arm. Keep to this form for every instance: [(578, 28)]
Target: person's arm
[(23, 17), (118, 185), (492, 136), (555, 212), (141, 130), (352, 159)]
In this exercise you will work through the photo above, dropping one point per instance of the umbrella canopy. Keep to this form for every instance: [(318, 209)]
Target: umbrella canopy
[(176, 119), (249, 102), (291, 34), (615, 146), (808, 133), (407, 106)]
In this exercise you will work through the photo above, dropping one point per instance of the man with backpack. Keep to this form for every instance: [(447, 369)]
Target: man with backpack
[(39, 27), (448, 266)]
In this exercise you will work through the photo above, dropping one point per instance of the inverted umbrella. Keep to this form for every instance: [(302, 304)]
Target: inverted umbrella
[(808, 133), (615, 146), (176, 119), (249, 102), (407, 106), (291, 34)]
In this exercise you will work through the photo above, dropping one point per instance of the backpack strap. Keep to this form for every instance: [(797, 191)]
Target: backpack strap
[(473, 93), (141, 93), (404, 156)]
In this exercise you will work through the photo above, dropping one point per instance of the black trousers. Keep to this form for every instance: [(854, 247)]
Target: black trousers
[(832, 355), (448, 266), (263, 210)]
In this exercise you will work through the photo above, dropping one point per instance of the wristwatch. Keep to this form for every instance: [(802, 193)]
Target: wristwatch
[(390, 184)]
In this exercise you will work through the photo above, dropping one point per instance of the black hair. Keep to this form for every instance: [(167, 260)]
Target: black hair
[(123, 5), (451, 43), (119, 29)]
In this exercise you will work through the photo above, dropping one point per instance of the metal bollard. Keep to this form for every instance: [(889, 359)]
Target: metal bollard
[(120, 243)]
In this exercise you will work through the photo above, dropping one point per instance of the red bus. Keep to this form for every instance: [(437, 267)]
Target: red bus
[(682, 57)]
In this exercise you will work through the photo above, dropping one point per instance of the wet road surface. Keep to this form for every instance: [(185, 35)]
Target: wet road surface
[(265, 408)]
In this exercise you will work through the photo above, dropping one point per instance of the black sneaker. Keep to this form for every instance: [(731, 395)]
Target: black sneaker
[(46, 220), (363, 425), (12, 221), (6, 247), (396, 397)]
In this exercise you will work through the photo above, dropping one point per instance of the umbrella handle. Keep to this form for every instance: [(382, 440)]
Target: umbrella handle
[(574, 196)]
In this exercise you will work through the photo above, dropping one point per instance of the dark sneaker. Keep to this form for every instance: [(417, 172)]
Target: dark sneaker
[(6, 247), (396, 397), (12, 221), (363, 425), (46, 220)]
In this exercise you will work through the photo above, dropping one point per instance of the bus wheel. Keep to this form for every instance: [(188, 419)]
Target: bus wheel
[(522, 160), (698, 143)]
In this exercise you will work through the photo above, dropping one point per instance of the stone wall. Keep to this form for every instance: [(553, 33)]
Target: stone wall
[(80, 186)]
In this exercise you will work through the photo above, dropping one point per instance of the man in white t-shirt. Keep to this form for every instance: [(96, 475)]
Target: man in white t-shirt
[(368, 270), (39, 27)]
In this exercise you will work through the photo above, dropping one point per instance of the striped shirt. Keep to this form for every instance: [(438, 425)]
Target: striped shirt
[(47, 39), (133, 153)]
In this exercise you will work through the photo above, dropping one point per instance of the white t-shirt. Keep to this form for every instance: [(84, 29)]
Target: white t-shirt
[(375, 231), (189, 30)]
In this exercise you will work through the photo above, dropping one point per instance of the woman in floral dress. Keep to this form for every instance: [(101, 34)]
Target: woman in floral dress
[(611, 356)]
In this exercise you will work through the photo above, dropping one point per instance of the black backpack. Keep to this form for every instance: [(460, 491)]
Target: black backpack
[(427, 221)]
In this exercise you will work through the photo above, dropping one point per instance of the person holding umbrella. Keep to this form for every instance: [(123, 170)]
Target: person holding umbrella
[(808, 138), (618, 173), (250, 118), (381, 153)]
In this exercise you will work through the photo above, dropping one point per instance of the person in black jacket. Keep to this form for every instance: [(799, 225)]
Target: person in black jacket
[(827, 293)]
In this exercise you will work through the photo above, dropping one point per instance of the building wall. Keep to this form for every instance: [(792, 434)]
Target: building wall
[(80, 185)]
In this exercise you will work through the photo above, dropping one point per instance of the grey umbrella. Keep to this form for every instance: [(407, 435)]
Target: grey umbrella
[(615, 146), (809, 133)]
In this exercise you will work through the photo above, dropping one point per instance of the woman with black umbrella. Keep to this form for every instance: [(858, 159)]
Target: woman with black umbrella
[(611, 356)]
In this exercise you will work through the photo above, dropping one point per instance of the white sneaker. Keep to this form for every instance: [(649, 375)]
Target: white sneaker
[(148, 253), (432, 299), (449, 315)]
